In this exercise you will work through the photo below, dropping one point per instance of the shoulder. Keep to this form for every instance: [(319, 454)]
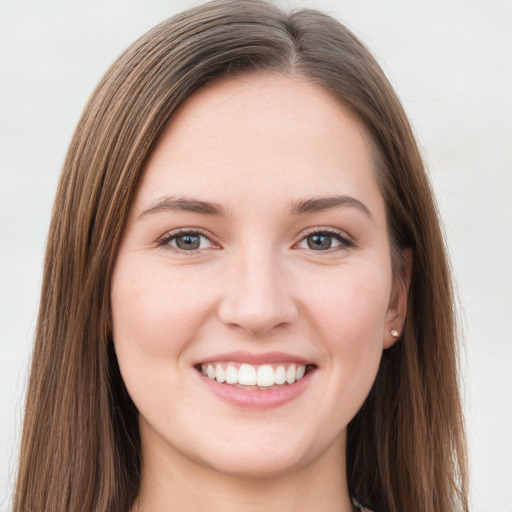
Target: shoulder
[(359, 507)]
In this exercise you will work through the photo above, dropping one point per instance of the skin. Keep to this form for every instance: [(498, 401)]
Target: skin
[(254, 146)]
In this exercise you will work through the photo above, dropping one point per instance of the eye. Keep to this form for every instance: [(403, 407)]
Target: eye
[(324, 240), (186, 241)]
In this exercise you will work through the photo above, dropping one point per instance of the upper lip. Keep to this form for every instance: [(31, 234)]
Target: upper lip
[(256, 359)]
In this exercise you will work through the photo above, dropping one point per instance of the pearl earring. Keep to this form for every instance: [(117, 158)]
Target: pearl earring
[(395, 333)]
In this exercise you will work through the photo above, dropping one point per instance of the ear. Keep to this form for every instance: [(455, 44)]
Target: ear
[(397, 310)]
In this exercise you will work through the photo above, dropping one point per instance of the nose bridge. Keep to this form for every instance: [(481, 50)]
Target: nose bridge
[(258, 297)]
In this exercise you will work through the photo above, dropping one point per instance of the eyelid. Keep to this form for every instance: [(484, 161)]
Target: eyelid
[(163, 241), (347, 242)]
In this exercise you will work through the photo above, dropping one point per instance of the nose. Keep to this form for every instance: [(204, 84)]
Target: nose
[(258, 297)]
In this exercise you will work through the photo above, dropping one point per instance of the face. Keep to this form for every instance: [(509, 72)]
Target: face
[(253, 291)]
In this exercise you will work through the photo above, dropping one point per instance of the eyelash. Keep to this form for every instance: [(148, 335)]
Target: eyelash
[(345, 241), (164, 242)]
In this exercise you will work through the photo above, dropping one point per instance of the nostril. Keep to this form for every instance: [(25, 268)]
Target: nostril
[(258, 306)]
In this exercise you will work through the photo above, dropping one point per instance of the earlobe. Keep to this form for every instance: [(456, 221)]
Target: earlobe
[(397, 310)]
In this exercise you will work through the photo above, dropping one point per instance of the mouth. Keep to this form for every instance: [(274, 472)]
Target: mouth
[(256, 381), (256, 377)]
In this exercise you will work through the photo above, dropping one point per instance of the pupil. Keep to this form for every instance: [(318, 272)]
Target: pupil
[(188, 242), (318, 242)]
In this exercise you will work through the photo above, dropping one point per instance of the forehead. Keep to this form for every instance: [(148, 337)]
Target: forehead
[(278, 136)]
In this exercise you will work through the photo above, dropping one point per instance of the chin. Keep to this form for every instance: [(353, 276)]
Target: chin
[(263, 455), (259, 466)]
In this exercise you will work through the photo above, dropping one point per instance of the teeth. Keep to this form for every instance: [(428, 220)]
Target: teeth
[(265, 376), (220, 374), (280, 375), (290, 374), (231, 375), (248, 375)]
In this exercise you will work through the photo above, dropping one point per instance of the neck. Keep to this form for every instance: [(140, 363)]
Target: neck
[(175, 482)]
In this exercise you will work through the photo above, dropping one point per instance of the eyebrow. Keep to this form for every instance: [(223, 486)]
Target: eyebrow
[(321, 204), (183, 204), (299, 207)]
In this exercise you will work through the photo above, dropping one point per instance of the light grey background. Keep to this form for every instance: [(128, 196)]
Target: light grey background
[(450, 62)]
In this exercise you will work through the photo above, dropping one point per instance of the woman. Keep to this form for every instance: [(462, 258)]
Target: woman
[(246, 300)]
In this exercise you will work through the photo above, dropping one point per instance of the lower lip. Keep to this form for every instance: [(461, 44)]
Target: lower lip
[(257, 398)]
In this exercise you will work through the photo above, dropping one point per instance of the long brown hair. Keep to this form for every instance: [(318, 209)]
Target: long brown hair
[(81, 446)]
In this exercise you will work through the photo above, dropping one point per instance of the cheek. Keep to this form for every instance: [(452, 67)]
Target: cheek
[(348, 317), (153, 309), (350, 304), (156, 313)]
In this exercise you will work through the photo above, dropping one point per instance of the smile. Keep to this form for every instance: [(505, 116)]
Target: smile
[(254, 381), (263, 376)]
